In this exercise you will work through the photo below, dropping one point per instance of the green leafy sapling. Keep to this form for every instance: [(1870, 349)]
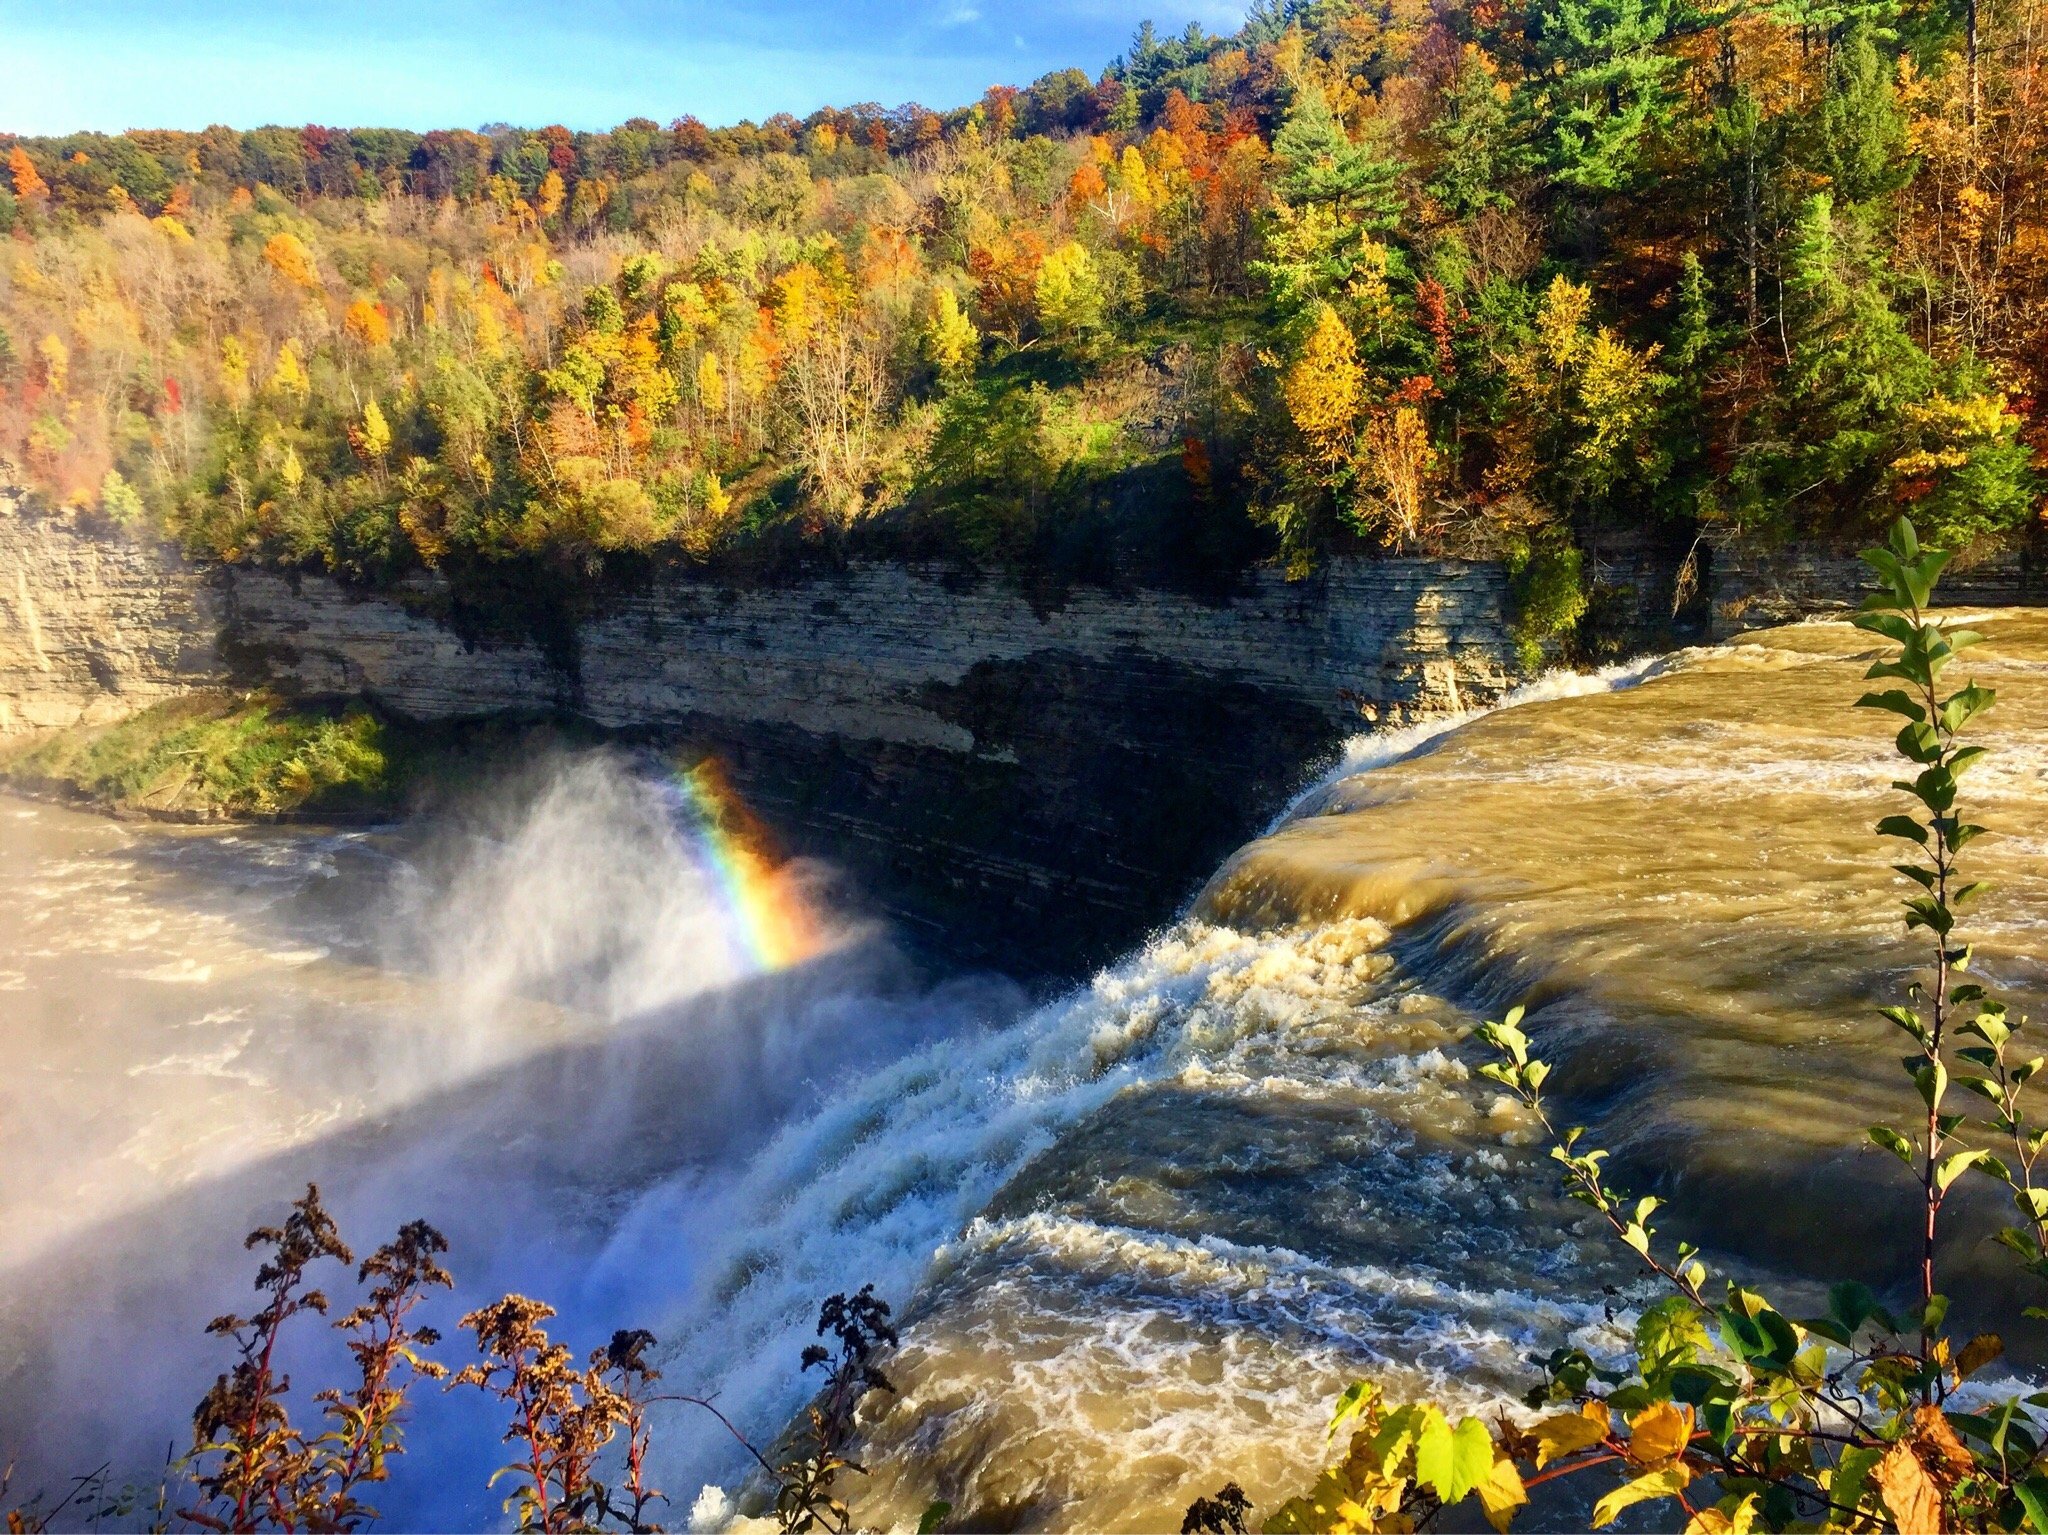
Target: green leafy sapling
[(1931, 740)]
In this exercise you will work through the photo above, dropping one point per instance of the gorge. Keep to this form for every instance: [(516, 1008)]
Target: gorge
[(1141, 1229)]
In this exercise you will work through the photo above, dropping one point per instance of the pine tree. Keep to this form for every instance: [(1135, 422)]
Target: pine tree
[(1858, 134), (1320, 165), (1854, 369), (1474, 136), (1602, 86)]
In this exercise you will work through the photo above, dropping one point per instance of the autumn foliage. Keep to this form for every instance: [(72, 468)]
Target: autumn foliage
[(1432, 277)]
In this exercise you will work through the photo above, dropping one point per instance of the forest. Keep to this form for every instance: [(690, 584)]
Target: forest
[(1449, 276)]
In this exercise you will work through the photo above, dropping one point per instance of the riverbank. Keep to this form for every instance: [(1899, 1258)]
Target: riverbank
[(210, 756)]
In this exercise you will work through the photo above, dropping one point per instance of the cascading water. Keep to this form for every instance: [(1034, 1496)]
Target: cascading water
[(1139, 1235), (1171, 1216)]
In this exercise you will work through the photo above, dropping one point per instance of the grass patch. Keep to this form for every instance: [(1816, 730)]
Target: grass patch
[(253, 756)]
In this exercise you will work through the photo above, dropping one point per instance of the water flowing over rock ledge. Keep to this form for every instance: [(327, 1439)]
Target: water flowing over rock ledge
[(999, 774)]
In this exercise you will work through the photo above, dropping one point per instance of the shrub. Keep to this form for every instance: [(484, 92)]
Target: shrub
[(1545, 592)]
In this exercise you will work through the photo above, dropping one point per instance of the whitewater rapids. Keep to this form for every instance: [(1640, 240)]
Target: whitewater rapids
[(1139, 1235)]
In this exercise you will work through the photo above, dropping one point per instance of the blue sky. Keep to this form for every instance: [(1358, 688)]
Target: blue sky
[(115, 64)]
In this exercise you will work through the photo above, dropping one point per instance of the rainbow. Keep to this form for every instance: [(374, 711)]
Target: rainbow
[(763, 909)]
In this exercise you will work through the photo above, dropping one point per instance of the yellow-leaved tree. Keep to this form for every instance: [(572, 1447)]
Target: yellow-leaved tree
[(290, 259), (288, 375), (1069, 292), (950, 339), (373, 438), (1398, 460), (365, 324), (1322, 388)]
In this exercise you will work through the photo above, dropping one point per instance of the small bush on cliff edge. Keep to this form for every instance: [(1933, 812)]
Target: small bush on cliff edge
[(1545, 591), (1745, 1417)]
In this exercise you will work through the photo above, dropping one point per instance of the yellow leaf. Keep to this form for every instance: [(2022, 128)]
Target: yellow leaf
[(1979, 1352), (1562, 1435), (1731, 1516), (1502, 1493), (1667, 1483), (1908, 1491), (1658, 1433)]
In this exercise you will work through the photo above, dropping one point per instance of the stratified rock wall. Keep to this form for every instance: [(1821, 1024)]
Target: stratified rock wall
[(1028, 785), (1754, 589), (874, 652), (92, 628)]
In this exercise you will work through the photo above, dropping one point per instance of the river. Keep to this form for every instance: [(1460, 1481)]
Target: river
[(1141, 1233)]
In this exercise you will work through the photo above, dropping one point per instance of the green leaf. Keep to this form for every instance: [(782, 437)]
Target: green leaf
[(2033, 1495), (1357, 1397), (1902, 826), (1906, 1019), (1435, 1449), (1894, 700), (1934, 1313), (1951, 1168), (1893, 626), (1922, 573), (1983, 1087), (1455, 1461), (1919, 742), (1851, 1471), (1398, 1434), (1852, 1304), (933, 1517), (1906, 671), (1935, 788), (1892, 1141), (1932, 1080), (1960, 708)]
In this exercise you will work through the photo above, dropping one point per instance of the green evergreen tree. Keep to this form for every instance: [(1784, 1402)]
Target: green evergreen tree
[(1320, 164), (1854, 368), (1602, 86), (1858, 135), (1474, 136)]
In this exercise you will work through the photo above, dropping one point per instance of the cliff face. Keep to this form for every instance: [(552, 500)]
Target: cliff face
[(1752, 589), (94, 628), (1027, 786)]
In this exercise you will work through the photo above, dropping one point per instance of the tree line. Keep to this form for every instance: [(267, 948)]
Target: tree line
[(1465, 275)]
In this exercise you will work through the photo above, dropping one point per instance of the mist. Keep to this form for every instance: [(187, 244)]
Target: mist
[(533, 1022)]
